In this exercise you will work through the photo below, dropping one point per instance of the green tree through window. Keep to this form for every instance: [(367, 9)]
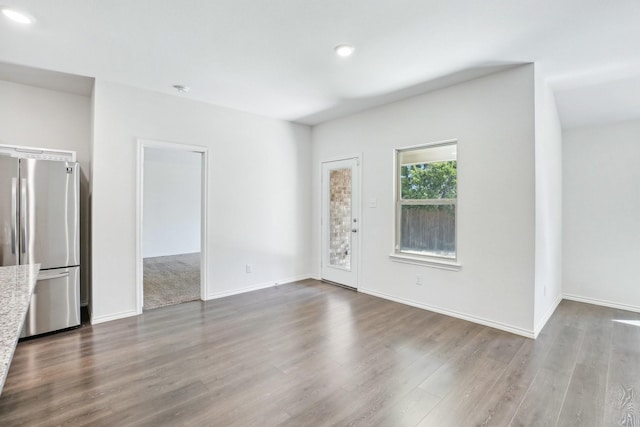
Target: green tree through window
[(429, 181)]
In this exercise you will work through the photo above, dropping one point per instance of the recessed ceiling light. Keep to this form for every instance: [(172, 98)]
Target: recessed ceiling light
[(182, 89), (17, 16), (344, 50)]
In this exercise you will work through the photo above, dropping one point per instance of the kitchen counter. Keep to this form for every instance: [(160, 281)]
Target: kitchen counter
[(16, 286)]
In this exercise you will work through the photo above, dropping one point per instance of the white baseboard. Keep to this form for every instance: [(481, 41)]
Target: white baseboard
[(123, 314), (115, 316), (603, 303), (474, 319), (257, 287), (295, 279), (543, 321)]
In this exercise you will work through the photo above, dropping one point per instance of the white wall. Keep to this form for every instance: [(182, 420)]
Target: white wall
[(36, 117), (172, 202), (258, 190), (548, 288), (601, 224), (493, 120)]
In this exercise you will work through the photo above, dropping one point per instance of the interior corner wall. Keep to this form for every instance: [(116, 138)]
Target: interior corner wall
[(493, 120), (601, 224), (548, 260), (42, 118), (258, 192), (172, 202)]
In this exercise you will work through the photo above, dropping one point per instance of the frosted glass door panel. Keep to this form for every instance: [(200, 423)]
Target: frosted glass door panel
[(340, 218)]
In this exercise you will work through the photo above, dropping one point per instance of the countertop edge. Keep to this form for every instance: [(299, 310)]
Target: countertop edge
[(16, 288)]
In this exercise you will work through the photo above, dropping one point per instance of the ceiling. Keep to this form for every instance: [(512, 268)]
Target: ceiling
[(275, 57)]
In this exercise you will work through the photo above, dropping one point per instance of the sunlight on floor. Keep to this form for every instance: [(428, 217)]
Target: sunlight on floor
[(628, 322)]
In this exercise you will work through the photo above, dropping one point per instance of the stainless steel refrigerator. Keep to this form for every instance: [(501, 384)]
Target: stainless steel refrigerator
[(39, 223)]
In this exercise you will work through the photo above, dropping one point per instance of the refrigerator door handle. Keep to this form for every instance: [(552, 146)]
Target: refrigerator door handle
[(44, 276), (23, 220), (14, 213)]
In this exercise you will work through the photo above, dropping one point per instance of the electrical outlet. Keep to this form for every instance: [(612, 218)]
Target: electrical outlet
[(419, 280), (248, 268)]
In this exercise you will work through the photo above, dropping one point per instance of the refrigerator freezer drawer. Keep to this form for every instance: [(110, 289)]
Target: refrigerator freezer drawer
[(55, 303)]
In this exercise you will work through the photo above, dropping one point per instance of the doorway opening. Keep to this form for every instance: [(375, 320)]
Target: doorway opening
[(171, 224)]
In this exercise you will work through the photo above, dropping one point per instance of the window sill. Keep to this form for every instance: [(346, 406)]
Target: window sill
[(428, 262)]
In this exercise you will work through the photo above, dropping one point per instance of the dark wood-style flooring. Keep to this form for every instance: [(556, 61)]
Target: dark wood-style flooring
[(312, 354)]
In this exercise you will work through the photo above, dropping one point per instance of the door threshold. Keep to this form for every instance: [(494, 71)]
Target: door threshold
[(351, 288)]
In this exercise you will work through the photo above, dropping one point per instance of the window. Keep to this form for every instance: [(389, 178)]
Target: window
[(426, 200)]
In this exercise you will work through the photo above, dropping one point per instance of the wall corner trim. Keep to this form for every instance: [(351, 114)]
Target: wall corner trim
[(115, 316), (543, 321), (479, 320)]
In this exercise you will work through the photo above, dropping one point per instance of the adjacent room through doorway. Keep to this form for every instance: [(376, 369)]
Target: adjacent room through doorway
[(171, 226)]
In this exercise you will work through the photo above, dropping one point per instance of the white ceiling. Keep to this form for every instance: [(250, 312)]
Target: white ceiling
[(275, 57)]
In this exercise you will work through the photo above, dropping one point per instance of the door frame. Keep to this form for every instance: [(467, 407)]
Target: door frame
[(357, 209), (204, 173)]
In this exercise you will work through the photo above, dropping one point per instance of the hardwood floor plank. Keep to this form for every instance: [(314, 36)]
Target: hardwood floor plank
[(310, 390), (543, 400), (622, 405), (584, 403), (542, 403), (470, 378), (457, 363), (323, 412), (585, 397), (314, 354), (408, 411), (503, 399), (470, 386), (389, 389)]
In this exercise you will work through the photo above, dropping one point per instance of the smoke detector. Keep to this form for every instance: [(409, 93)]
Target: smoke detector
[(181, 88)]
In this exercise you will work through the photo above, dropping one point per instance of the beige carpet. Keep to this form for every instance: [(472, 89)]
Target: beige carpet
[(171, 280)]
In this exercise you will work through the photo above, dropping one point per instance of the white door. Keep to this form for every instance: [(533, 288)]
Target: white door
[(340, 221)]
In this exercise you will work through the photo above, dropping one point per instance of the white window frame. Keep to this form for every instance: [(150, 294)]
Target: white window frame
[(431, 260)]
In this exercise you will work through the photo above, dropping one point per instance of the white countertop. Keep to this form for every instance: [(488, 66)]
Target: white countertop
[(16, 286)]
